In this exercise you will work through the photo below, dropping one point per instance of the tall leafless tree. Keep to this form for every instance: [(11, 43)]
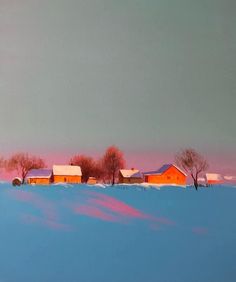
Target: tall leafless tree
[(99, 170), (113, 161), (23, 163), (87, 165), (2, 162), (192, 163)]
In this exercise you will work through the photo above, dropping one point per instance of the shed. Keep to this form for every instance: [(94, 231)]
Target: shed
[(39, 176), (213, 178), (92, 180), (67, 174), (168, 174), (130, 176)]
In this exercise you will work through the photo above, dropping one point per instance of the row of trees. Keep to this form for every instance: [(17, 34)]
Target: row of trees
[(107, 167), (22, 163)]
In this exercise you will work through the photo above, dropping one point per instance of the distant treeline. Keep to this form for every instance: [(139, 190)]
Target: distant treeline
[(107, 167)]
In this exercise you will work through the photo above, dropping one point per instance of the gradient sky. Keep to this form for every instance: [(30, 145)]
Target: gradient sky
[(149, 76)]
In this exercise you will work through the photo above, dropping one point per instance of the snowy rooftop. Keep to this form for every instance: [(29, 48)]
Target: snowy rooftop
[(163, 169), (72, 170), (214, 176), (39, 173), (17, 178), (131, 173), (229, 177)]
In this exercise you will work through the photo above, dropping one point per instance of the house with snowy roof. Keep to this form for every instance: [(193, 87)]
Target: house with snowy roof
[(39, 176), (168, 174), (214, 178), (130, 176), (67, 174)]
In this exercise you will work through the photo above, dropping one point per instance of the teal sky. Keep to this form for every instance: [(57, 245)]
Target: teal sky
[(150, 75)]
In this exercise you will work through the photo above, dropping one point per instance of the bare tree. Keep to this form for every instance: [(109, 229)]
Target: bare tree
[(99, 170), (113, 161), (2, 163), (23, 163), (192, 162), (87, 165)]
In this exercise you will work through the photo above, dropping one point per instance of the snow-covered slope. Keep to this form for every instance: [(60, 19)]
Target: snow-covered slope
[(126, 233)]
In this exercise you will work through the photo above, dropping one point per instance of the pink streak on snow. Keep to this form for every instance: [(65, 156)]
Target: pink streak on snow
[(108, 208), (116, 206), (29, 219), (46, 207), (163, 220), (200, 230), (48, 210), (95, 212)]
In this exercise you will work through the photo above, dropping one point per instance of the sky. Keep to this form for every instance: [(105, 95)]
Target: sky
[(151, 77)]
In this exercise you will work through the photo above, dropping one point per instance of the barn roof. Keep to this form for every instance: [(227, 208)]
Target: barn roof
[(71, 170), (138, 175), (163, 169), (151, 172), (128, 173), (39, 173), (214, 176)]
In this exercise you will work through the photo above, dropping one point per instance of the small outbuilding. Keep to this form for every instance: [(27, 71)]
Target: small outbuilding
[(130, 176), (92, 180), (213, 179), (168, 174), (39, 177), (67, 174)]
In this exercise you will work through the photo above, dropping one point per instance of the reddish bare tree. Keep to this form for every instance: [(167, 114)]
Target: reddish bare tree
[(99, 171), (23, 163), (192, 162), (2, 163), (113, 161), (87, 165)]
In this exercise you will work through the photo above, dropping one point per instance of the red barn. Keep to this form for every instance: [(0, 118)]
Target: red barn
[(168, 174)]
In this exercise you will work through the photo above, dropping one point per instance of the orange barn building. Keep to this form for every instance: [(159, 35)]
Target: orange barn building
[(39, 176), (130, 176), (67, 174), (168, 174)]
